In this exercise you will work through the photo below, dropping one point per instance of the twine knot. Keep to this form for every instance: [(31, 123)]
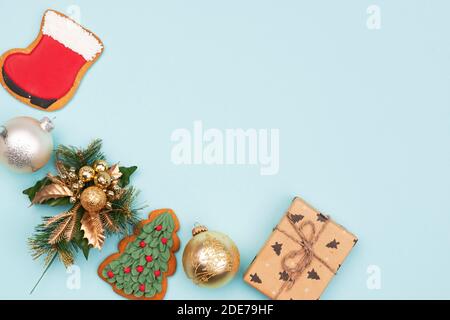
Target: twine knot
[(298, 260)]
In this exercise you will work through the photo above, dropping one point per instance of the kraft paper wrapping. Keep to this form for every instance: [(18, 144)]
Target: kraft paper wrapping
[(329, 248)]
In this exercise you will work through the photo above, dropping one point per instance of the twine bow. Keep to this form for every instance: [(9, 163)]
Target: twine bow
[(305, 253)]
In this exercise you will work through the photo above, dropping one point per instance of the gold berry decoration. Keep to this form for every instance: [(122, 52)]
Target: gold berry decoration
[(100, 166), (86, 174), (102, 180)]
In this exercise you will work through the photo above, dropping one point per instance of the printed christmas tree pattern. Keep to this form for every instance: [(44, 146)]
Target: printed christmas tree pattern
[(255, 278), (277, 248), (295, 217), (313, 275), (333, 244), (284, 275), (321, 217), (138, 271)]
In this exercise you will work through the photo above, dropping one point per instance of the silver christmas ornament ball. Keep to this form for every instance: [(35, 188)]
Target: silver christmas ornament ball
[(26, 144)]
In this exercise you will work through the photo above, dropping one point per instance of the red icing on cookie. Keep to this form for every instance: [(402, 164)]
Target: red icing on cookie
[(48, 72)]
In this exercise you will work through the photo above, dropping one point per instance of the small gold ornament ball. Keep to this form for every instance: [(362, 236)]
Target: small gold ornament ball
[(100, 166), (86, 174), (102, 179), (93, 199), (211, 259)]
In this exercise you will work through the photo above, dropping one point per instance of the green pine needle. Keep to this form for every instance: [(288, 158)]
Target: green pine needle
[(75, 157)]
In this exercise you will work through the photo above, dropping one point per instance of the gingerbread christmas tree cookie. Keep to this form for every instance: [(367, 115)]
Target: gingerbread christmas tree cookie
[(140, 269)]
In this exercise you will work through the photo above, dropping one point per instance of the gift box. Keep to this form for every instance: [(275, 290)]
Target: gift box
[(301, 256)]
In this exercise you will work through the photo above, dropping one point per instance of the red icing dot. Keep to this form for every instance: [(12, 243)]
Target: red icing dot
[(142, 287), (157, 273), (158, 228), (149, 258), (142, 244), (139, 268), (163, 240), (127, 269), (110, 274)]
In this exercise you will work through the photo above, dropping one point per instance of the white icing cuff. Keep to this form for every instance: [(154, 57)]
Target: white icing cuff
[(71, 35)]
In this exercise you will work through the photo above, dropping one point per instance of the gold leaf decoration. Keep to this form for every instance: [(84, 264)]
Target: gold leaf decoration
[(62, 171), (66, 227), (52, 191), (56, 218), (66, 258), (114, 172), (59, 233), (70, 230), (54, 179), (107, 222), (93, 229)]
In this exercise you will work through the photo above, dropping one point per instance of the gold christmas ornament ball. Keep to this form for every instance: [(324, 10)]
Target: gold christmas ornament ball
[(93, 199), (86, 174), (100, 166), (102, 179), (210, 259)]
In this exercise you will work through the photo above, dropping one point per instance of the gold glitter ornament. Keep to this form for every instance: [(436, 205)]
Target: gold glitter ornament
[(102, 180), (211, 259), (100, 166), (93, 199), (86, 173)]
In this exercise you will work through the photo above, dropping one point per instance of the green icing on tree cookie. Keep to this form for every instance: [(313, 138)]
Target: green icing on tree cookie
[(139, 270)]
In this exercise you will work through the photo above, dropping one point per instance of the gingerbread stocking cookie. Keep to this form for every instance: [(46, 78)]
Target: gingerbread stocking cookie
[(140, 269), (47, 73)]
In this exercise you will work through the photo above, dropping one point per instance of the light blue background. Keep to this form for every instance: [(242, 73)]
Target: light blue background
[(363, 118)]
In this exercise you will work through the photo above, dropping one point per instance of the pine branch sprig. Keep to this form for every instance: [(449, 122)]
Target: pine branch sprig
[(75, 157), (124, 213), (63, 235)]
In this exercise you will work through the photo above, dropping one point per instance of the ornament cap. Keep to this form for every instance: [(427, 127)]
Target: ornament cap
[(47, 124), (3, 132), (198, 229)]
